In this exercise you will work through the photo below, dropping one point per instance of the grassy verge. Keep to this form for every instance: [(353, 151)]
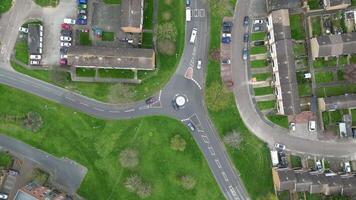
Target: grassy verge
[(321, 62), (85, 72), (108, 36), (343, 60), (297, 28), (258, 36), (316, 22), (295, 161), (84, 39), (304, 90), (21, 51), (335, 90), (147, 40), (263, 105), (97, 144), (262, 76), (340, 75), (280, 120), (263, 91), (314, 4), (258, 50), (148, 14), (324, 77), (5, 5), (47, 3), (222, 111), (5, 160), (259, 63), (116, 73), (299, 49)]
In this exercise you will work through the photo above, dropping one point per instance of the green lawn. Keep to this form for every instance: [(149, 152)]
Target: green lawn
[(223, 111), (108, 36), (5, 160), (353, 59), (5, 5), (321, 62), (280, 120), (147, 40), (148, 14), (262, 76), (85, 72), (96, 144), (340, 75), (353, 113), (263, 105), (112, 1), (21, 51), (258, 50), (316, 23), (116, 73), (299, 49), (263, 91), (343, 60), (47, 3), (304, 90), (295, 161), (353, 2), (314, 4), (297, 28), (259, 63), (335, 90), (258, 36), (324, 77), (84, 39)]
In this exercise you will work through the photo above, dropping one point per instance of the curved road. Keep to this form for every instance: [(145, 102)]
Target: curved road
[(194, 111), (257, 124)]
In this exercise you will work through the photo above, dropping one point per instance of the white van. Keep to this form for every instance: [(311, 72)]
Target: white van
[(193, 35), (69, 21), (188, 14), (312, 126)]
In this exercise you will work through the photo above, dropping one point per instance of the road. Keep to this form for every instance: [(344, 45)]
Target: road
[(194, 111), (256, 123)]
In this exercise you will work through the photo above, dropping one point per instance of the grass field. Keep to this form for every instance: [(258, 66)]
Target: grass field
[(299, 49), (314, 4), (5, 5), (335, 90), (116, 73), (316, 22), (332, 117), (5, 160), (280, 120), (84, 39), (259, 63), (262, 76), (295, 161), (263, 91), (85, 72), (21, 51), (47, 3), (147, 40), (258, 36), (108, 36), (340, 75), (342, 60), (297, 28), (321, 62), (223, 112), (324, 77), (304, 90), (148, 14), (112, 1), (263, 105), (258, 50), (96, 144)]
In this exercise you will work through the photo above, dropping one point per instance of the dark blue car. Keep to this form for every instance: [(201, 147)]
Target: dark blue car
[(226, 40), (82, 1), (82, 21)]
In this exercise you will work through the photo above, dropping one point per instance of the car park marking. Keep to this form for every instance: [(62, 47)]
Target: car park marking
[(224, 176), (211, 149), (218, 163), (205, 138), (130, 110)]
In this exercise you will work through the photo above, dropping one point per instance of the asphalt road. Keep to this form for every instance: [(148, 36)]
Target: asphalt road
[(254, 121), (195, 111)]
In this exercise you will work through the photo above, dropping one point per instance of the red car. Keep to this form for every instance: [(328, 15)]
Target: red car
[(63, 61), (66, 26)]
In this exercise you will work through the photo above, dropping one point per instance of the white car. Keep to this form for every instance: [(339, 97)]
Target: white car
[(3, 196), (258, 21), (35, 57), (66, 44), (69, 21), (347, 167), (199, 64), (23, 29), (318, 165), (292, 126), (34, 62), (64, 56), (226, 35), (280, 146), (65, 38), (312, 126)]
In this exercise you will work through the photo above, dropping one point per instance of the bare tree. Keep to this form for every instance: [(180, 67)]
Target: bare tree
[(188, 182), (33, 121), (178, 143), (132, 183), (129, 158), (144, 190), (232, 139)]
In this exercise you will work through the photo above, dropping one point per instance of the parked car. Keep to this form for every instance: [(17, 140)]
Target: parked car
[(199, 64), (23, 29), (292, 126), (258, 21), (65, 26), (66, 32), (312, 126), (81, 16), (82, 1), (63, 56), (66, 44), (150, 100), (187, 2), (13, 172), (259, 43), (280, 146), (318, 165), (191, 126), (246, 20), (226, 35), (34, 62), (69, 21), (3, 196), (257, 28), (82, 11), (82, 21), (35, 57), (82, 6), (226, 40), (347, 167), (65, 38), (63, 61), (244, 53), (226, 61), (246, 37), (63, 50)]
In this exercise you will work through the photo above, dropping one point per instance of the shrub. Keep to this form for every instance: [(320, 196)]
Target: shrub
[(166, 47), (33, 121), (232, 139), (144, 190), (129, 158), (188, 182), (134, 184), (178, 143)]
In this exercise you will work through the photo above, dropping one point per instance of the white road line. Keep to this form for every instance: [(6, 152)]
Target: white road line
[(211, 149), (98, 109), (159, 96), (218, 163), (70, 99), (183, 120), (84, 104), (225, 177), (114, 111), (130, 110), (196, 82), (205, 138)]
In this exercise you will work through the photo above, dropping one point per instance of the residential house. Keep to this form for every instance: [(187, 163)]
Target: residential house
[(111, 58), (33, 191), (283, 4), (333, 45), (132, 16), (337, 102), (283, 63)]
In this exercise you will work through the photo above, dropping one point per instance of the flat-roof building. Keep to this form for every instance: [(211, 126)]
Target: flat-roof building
[(283, 64), (33, 191), (132, 16), (114, 58), (333, 45), (35, 39)]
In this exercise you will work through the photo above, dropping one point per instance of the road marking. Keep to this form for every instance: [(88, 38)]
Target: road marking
[(70, 99), (232, 190), (196, 82), (144, 107), (211, 149), (225, 177), (84, 104), (201, 13), (159, 96), (130, 110), (98, 109), (218, 163), (205, 138), (114, 111)]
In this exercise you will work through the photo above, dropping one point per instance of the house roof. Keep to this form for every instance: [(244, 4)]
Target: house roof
[(340, 102), (123, 58), (281, 24), (334, 45), (287, 77), (283, 4), (132, 13), (20, 195), (337, 2), (33, 39)]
